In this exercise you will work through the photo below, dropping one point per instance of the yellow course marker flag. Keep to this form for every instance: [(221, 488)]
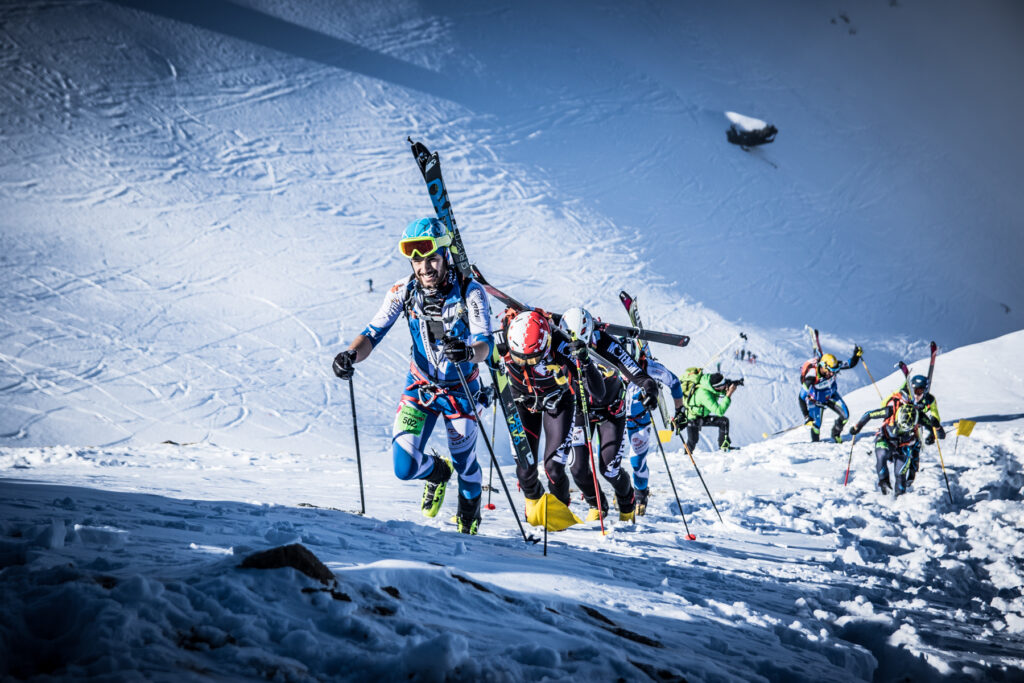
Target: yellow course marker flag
[(665, 435), (965, 427)]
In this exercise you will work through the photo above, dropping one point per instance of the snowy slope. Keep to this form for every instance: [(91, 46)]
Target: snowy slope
[(124, 562)]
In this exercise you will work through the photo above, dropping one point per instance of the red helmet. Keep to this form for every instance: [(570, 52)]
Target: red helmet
[(529, 337)]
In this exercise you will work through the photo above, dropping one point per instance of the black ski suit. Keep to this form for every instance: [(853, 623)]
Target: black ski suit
[(903, 448), (547, 396)]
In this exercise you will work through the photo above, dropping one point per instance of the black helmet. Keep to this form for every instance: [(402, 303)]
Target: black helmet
[(716, 380)]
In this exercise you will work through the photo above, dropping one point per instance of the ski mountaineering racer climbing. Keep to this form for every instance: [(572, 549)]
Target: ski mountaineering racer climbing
[(923, 398), (638, 420), (450, 323), (820, 390), (541, 364), (898, 440), (707, 397), (605, 406)]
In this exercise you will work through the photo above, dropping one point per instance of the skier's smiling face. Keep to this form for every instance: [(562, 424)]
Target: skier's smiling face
[(430, 271)]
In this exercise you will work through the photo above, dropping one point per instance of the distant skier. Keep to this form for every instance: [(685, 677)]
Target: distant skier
[(638, 420), (450, 324), (707, 398), (819, 390), (898, 440)]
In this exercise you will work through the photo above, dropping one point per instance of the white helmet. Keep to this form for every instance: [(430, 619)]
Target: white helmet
[(578, 324)]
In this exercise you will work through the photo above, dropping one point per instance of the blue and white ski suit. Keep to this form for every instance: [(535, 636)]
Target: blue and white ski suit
[(638, 422), (820, 392), (433, 388)]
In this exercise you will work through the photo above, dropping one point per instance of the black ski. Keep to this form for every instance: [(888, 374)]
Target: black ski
[(430, 166), (931, 368), (611, 328), (633, 310)]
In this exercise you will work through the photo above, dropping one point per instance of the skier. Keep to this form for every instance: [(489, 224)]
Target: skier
[(606, 408), (541, 364), (922, 398), (450, 324), (638, 420), (898, 440), (707, 398), (820, 390)]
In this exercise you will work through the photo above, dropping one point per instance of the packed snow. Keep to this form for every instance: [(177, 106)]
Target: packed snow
[(199, 205)]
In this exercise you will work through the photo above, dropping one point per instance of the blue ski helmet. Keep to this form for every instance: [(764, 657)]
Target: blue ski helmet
[(919, 383), (423, 237)]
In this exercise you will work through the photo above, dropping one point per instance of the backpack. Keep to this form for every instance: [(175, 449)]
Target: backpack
[(806, 368), (690, 381)]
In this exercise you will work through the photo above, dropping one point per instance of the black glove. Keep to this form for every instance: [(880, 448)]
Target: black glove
[(941, 431), (649, 394), (929, 440), (457, 351), (678, 422), (579, 349), (343, 364), (854, 430)]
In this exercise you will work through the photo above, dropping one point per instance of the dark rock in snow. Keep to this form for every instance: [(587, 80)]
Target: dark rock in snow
[(296, 556)]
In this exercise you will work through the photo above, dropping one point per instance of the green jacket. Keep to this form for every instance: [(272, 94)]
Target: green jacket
[(706, 400)]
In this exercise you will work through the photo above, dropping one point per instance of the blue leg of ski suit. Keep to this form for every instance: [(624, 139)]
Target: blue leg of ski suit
[(817, 413), (418, 411), (638, 430)]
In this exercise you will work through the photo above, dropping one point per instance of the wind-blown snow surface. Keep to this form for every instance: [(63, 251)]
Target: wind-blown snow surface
[(194, 195), (124, 561)]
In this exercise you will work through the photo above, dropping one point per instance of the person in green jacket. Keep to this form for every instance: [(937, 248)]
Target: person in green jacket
[(706, 407)]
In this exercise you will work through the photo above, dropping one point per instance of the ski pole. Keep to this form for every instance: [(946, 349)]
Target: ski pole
[(487, 442), (668, 470), (687, 449), (545, 526), (936, 435), (719, 351), (586, 431), (871, 378), (490, 473), (355, 433), (783, 431), (850, 461)]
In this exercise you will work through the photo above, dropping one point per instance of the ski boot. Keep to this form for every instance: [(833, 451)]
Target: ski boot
[(594, 513), (627, 510), (837, 431), (883, 486), (641, 501), (437, 482), (725, 446), (468, 517)]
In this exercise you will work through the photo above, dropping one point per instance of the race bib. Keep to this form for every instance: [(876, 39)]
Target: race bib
[(411, 420)]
